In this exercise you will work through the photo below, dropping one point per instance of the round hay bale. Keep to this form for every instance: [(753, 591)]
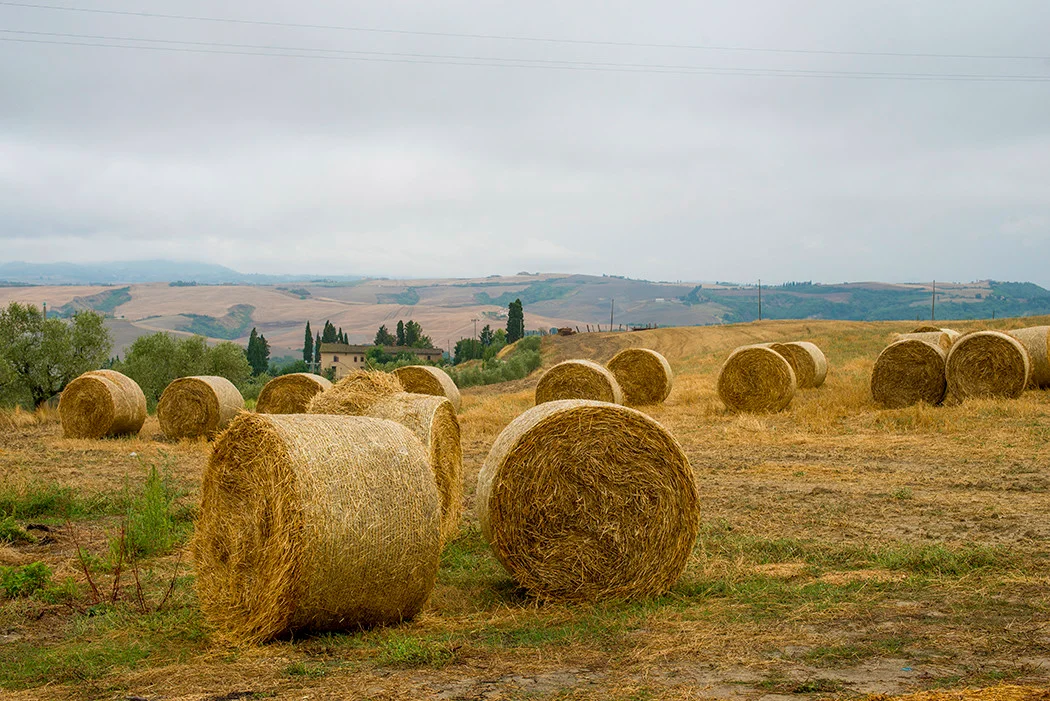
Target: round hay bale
[(102, 403), (290, 394), (191, 407), (941, 339), (909, 371), (987, 364), (926, 328), (756, 379), (314, 523), (433, 421), (354, 393), (1035, 340), (578, 379), (427, 379), (584, 500), (806, 360), (644, 375)]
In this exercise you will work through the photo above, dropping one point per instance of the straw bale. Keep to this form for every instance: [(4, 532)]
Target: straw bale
[(806, 360), (953, 335), (987, 364), (644, 375), (433, 420), (191, 407), (1035, 340), (290, 394), (939, 338), (427, 379), (583, 500), (102, 403), (314, 523), (354, 393), (909, 371), (756, 379), (578, 379)]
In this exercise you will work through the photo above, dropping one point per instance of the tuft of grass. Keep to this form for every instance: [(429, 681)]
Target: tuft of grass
[(24, 581), (838, 654), (309, 671), (153, 525), (11, 532), (406, 651), (51, 500)]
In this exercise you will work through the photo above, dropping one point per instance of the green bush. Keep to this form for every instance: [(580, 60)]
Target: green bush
[(24, 581), (524, 359), (11, 532)]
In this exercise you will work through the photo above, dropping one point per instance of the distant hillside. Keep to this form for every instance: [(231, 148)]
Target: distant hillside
[(140, 271)]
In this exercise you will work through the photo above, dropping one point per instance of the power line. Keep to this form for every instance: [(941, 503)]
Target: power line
[(543, 63), (514, 63), (517, 38)]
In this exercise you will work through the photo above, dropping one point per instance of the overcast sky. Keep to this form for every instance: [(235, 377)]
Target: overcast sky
[(280, 164)]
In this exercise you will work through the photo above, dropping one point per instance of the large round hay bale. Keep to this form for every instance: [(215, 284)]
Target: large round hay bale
[(290, 394), (756, 379), (433, 420), (102, 403), (427, 379), (1036, 339), (578, 379), (927, 328), (909, 371), (191, 407), (354, 393), (644, 375), (314, 523), (987, 364), (806, 360), (941, 339), (584, 500)]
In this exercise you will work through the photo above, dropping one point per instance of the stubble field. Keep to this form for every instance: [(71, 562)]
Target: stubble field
[(844, 551)]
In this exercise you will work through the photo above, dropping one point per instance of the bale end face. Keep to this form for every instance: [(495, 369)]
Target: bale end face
[(194, 407), (1036, 340), (290, 394), (987, 364), (578, 379), (427, 379), (907, 372), (644, 376), (102, 403), (756, 379)]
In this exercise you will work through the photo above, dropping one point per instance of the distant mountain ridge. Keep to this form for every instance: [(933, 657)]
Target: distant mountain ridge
[(143, 271)]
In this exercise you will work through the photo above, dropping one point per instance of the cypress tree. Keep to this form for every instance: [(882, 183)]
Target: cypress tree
[(317, 349), (308, 345), (515, 321)]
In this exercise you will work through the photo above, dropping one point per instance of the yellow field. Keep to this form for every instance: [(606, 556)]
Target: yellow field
[(844, 551)]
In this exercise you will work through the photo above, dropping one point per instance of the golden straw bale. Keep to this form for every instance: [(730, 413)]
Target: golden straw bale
[(433, 420), (102, 403), (314, 523), (1035, 340), (806, 360), (584, 500), (578, 379), (644, 375), (909, 371), (191, 407), (953, 335), (939, 338), (427, 379), (355, 392), (291, 393), (756, 379), (987, 364)]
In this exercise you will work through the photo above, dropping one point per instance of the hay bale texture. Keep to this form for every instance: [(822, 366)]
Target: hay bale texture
[(807, 361), (909, 371), (290, 394), (102, 403), (433, 421), (941, 339), (1036, 339), (644, 376), (953, 335), (314, 523), (986, 364), (756, 379), (191, 407), (427, 379), (584, 500), (355, 393), (578, 379)]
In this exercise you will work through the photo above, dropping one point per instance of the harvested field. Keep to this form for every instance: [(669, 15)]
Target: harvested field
[(844, 550)]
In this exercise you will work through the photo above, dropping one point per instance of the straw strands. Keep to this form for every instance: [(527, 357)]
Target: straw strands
[(644, 376), (584, 500), (756, 379), (941, 339), (806, 360), (1035, 340), (578, 379), (427, 379), (355, 393), (953, 335), (314, 523), (290, 394), (191, 407), (433, 421), (909, 371), (987, 364), (102, 403)]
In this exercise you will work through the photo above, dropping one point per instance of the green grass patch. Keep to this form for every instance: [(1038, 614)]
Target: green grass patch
[(23, 581), (51, 500), (23, 665), (400, 650), (11, 532), (867, 649)]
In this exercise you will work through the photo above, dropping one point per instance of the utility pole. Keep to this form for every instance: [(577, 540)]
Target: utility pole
[(760, 299), (933, 302), (611, 303)]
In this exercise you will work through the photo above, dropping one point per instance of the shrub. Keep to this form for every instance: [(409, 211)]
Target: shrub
[(24, 581)]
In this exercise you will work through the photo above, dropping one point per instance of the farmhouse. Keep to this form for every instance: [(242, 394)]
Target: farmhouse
[(343, 357)]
